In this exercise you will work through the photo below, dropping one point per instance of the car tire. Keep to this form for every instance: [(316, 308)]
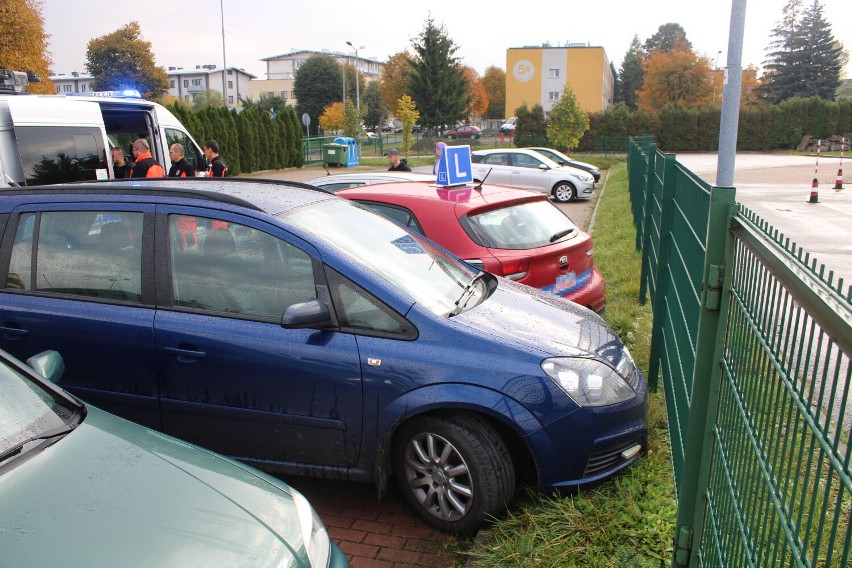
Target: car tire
[(455, 471), (564, 191)]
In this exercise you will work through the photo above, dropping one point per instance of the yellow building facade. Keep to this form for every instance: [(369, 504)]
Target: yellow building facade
[(538, 75)]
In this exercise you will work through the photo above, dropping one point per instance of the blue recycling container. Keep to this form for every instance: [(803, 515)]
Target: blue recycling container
[(351, 150)]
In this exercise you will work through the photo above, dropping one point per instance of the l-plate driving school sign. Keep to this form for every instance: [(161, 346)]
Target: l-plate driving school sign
[(455, 166)]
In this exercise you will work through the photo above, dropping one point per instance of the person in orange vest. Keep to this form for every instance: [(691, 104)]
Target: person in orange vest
[(216, 166), (180, 166), (146, 165)]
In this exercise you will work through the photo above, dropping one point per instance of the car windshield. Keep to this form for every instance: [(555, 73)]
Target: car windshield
[(408, 262), (27, 410), (524, 226)]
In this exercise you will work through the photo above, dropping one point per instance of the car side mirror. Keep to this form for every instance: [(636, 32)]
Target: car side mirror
[(313, 313), (543, 167), (48, 364)]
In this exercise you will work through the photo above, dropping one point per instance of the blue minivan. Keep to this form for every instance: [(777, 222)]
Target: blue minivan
[(301, 333)]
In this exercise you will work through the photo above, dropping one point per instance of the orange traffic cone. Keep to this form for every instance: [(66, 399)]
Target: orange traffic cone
[(814, 192), (839, 183)]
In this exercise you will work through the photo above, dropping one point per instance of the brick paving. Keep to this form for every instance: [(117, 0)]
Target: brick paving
[(378, 534)]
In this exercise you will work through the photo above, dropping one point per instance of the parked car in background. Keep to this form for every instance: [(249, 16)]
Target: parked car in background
[(295, 330), (81, 487), (508, 127), (336, 182), (509, 232), (530, 170), (464, 131), (564, 160), (387, 128)]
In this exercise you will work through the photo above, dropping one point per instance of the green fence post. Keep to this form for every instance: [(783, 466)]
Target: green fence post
[(647, 224), (707, 375), (662, 271)]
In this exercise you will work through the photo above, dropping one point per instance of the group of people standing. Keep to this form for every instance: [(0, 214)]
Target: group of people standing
[(144, 164)]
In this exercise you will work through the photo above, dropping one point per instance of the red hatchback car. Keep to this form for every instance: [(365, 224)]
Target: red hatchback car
[(506, 231)]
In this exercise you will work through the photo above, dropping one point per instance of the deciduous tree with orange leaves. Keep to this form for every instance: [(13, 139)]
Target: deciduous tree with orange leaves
[(478, 93), (333, 117), (23, 43), (677, 76), (395, 81)]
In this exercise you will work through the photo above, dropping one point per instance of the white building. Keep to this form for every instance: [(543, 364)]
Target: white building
[(73, 83), (185, 84), (281, 72)]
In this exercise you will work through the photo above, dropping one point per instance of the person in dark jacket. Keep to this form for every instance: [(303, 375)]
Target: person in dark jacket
[(146, 165), (122, 166), (396, 164), (216, 166), (180, 166)]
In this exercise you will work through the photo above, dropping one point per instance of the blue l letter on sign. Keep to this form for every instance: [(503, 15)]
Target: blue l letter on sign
[(455, 166)]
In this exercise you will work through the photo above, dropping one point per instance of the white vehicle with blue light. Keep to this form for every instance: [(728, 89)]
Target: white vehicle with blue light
[(48, 139)]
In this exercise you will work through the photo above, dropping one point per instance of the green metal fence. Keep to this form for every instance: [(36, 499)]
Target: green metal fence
[(753, 344)]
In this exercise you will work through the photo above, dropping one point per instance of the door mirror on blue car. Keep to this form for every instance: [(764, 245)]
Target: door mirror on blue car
[(312, 313)]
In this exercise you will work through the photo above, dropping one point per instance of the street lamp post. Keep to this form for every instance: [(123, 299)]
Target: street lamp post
[(357, 80), (224, 61)]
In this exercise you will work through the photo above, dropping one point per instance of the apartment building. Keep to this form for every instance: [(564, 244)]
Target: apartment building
[(538, 75)]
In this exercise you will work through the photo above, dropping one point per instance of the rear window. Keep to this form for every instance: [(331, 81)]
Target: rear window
[(521, 227), (59, 154)]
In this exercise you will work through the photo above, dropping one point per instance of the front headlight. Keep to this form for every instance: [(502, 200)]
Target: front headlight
[(588, 382), (314, 535), (587, 178)]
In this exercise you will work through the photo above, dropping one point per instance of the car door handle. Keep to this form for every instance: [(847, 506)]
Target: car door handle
[(13, 333), (185, 355)]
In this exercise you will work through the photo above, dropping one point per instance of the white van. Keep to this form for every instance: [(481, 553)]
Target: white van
[(47, 139)]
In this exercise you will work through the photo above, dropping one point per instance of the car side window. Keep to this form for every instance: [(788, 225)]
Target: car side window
[(399, 214), (84, 253), (525, 161), (360, 312), (496, 159), (58, 154), (192, 154), (341, 185), (226, 267)]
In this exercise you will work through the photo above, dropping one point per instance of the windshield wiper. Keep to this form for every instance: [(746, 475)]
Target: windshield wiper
[(52, 433), (466, 295), (561, 234)]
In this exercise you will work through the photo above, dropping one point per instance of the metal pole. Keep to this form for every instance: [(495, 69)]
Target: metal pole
[(224, 61), (357, 85), (731, 97)]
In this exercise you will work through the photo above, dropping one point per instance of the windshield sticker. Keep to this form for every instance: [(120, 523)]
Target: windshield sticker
[(408, 245)]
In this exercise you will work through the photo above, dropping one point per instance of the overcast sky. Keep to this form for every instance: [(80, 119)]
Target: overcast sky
[(186, 33)]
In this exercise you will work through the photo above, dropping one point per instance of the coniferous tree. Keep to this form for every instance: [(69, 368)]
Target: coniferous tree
[(248, 150), (531, 127), (668, 36), (804, 59), (438, 85), (376, 113), (631, 75)]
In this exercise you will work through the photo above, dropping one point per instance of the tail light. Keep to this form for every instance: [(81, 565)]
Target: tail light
[(516, 269)]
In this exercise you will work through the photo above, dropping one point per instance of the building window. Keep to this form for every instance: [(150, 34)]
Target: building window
[(172, 84), (553, 73), (196, 82), (230, 84), (270, 94), (284, 94), (231, 100), (186, 82), (66, 88), (83, 87), (187, 98), (554, 95), (58, 88)]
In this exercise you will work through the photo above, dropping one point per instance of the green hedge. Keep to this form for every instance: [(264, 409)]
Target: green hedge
[(251, 140), (761, 127)]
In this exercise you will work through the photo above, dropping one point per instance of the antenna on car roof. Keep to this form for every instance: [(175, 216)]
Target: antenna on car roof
[(478, 187), (328, 173)]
